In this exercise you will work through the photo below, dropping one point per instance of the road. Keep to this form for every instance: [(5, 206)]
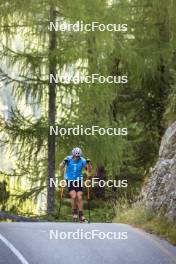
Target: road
[(51, 243)]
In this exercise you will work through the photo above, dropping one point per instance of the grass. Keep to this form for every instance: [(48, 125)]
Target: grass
[(100, 211), (142, 218)]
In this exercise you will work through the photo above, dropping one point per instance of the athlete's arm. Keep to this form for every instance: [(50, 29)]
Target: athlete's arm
[(63, 164), (89, 165)]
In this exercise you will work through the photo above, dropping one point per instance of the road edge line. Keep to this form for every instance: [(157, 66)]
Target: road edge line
[(13, 249)]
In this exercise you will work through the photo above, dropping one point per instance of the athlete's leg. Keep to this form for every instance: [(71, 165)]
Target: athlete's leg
[(80, 206), (73, 197), (79, 199), (74, 205)]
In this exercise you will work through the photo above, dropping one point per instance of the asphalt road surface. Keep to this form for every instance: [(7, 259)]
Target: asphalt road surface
[(65, 243)]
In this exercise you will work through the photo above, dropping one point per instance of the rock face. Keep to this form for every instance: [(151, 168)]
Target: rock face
[(159, 195)]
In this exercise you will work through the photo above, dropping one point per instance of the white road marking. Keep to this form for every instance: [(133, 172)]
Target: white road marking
[(14, 250)]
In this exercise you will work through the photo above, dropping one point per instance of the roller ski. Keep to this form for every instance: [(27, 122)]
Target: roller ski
[(82, 218)]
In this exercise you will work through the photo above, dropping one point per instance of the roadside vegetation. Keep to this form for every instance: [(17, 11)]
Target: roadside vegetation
[(142, 218)]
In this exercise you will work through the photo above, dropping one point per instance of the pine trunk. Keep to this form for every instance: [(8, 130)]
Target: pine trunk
[(51, 117)]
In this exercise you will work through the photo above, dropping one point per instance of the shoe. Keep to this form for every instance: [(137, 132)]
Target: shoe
[(82, 218)]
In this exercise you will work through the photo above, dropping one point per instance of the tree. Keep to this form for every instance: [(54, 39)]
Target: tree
[(51, 115), (4, 194), (144, 54)]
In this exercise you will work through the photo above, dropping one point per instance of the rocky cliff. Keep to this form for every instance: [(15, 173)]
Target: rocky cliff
[(159, 194)]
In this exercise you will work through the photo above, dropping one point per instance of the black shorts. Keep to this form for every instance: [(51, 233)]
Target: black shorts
[(76, 186)]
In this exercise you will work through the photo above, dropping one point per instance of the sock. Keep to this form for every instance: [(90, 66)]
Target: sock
[(75, 211), (80, 213)]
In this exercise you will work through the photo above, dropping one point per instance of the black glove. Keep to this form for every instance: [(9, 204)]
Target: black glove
[(66, 160)]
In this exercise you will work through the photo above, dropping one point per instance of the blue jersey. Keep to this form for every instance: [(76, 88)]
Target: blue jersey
[(74, 168)]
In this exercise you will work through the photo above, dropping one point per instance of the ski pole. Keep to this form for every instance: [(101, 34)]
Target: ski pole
[(61, 196), (88, 196), (62, 166)]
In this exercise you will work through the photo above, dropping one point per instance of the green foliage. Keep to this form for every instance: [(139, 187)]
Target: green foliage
[(142, 218), (144, 105)]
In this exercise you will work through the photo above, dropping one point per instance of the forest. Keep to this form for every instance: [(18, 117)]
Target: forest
[(46, 82)]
